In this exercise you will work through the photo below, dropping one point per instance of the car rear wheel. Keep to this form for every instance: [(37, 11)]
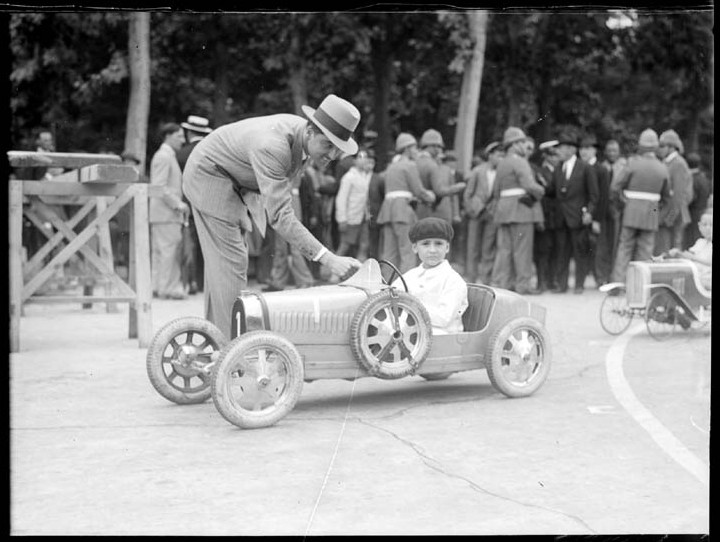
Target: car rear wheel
[(180, 358), (518, 360), (615, 315), (258, 379), (661, 318), (391, 334)]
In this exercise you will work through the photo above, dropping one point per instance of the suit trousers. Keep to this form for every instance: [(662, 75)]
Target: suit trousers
[(166, 260), (288, 260), (514, 256), (634, 245), (397, 247), (668, 237), (605, 251), (374, 238), (482, 246), (572, 243), (543, 254), (225, 254)]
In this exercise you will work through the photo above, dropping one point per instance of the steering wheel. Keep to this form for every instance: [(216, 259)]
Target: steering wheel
[(395, 272)]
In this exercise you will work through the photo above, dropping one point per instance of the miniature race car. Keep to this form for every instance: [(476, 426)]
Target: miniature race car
[(361, 327), (665, 292)]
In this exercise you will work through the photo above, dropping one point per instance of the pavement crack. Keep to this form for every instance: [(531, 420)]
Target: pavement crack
[(437, 466)]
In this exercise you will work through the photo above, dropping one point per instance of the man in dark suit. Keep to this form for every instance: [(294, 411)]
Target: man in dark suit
[(575, 188), (544, 245), (602, 230)]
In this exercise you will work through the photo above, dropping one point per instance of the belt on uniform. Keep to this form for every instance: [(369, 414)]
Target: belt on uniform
[(512, 192), (636, 194), (399, 194)]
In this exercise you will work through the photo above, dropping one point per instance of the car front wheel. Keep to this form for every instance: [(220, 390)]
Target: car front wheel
[(518, 360)]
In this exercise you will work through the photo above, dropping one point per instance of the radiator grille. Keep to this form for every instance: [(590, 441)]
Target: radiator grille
[(305, 322)]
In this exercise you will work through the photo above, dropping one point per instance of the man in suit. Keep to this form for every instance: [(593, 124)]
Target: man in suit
[(239, 175), (702, 188), (167, 215), (641, 187), (516, 191), (479, 206), (602, 231), (195, 129), (674, 215), (614, 163), (544, 242), (575, 188)]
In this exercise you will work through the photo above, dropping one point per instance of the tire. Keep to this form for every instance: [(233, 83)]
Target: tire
[(615, 315), (432, 377), (661, 318), (384, 352), (511, 370), (180, 357), (251, 390)]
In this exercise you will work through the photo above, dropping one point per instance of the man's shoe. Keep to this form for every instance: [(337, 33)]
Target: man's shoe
[(559, 290), (529, 291), (579, 290)]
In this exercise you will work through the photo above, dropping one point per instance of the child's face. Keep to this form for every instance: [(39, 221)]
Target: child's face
[(705, 226), (431, 251)]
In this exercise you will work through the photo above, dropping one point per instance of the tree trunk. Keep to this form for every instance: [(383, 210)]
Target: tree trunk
[(470, 91), (220, 96), (296, 66), (139, 103), (382, 60)]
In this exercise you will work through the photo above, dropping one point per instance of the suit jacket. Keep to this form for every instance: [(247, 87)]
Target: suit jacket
[(681, 186), (258, 156), (580, 190), (513, 171), (478, 196), (165, 172), (184, 153), (602, 209), (643, 174), (551, 212)]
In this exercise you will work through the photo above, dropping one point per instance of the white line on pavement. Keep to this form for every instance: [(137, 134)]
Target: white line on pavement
[(659, 433)]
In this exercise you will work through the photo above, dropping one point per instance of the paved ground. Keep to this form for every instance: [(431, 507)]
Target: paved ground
[(617, 441)]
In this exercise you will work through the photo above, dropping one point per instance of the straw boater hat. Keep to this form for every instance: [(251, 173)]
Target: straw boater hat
[(197, 124), (338, 119), (547, 145)]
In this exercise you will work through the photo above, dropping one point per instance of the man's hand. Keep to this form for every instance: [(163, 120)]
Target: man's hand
[(342, 266)]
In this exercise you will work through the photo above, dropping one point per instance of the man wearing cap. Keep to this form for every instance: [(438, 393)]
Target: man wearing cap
[(544, 242), (602, 226), (575, 189), (515, 184), (641, 186), (674, 214), (397, 216), (429, 166), (479, 206), (239, 175)]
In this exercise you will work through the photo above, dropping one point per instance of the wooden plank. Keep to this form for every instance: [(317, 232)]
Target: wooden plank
[(105, 251), (99, 173), (100, 264), (52, 188), (15, 256), (65, 254), (143, 281), (80, 299), (59, 159)]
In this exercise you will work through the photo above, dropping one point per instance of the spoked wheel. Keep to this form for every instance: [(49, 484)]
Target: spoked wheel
[(180, 359), (615, 315), (519, 355), (661, 317), (258, 379), (395, 274), (391, 334)]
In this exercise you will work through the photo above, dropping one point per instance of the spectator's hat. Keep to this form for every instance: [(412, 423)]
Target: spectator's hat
[(513, 135), (197, 124), (403, 141), (547, 146), (693, 160), (338, 119), (670, 137), (567, 138), (648, 139), (431, 228), (431, 137), (589, 141), (494, 146)]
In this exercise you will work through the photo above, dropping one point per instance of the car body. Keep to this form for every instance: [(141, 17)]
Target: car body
[(358, 328)]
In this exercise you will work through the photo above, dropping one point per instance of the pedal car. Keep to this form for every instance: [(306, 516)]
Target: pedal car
[(665, 292), (361, 327)]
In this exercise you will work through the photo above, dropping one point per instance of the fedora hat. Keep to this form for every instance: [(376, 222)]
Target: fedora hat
[(197, 124), (547, 145), (568, 138), (513, 135), (589, 141), (338, 119)]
